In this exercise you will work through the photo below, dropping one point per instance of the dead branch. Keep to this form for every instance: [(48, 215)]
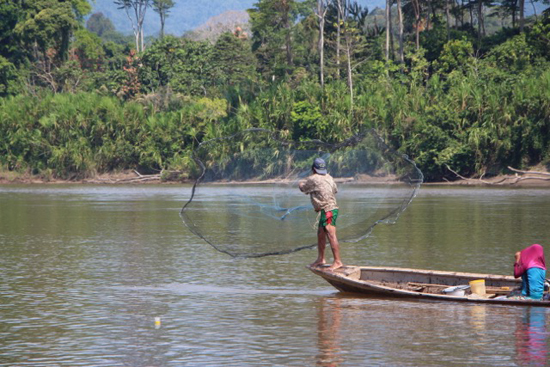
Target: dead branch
[(529, 172), (138, 179), (500, 182), (530, 178)]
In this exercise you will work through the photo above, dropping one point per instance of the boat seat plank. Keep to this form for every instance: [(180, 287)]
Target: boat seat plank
[(419, 287)]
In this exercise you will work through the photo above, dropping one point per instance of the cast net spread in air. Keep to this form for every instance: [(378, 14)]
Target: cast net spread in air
[(246, 201)]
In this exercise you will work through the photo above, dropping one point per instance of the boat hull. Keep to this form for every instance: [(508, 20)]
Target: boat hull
[(420, 284)]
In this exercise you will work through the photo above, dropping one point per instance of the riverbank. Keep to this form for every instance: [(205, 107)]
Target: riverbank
[(520, 179), (121, 177)]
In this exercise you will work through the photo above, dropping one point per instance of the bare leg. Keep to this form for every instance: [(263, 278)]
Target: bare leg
[(335, 246), (321, 244)]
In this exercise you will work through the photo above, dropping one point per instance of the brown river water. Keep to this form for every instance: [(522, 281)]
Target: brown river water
[(109, 276)]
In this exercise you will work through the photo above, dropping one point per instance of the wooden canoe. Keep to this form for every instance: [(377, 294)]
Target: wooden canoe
[(422, 284)]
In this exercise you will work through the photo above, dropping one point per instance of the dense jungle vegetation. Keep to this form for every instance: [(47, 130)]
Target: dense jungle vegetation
[(453, 84)]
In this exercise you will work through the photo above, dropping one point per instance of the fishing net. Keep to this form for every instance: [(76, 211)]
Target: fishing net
[(246, 201)]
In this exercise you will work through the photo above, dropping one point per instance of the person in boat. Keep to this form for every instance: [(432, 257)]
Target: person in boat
[(322, 190), (530, 266)]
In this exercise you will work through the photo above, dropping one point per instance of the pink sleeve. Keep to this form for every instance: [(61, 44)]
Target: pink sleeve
[(518, 270)]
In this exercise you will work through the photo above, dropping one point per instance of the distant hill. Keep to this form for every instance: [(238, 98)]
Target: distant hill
[(225, 22), (186, 15)]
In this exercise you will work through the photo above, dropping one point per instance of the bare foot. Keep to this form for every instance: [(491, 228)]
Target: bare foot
[(335, 265), (317, 263)]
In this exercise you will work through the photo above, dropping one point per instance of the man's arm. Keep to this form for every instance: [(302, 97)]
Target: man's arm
[(306, 186)]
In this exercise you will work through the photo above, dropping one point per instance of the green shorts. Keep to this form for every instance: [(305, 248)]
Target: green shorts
[(328, 218)]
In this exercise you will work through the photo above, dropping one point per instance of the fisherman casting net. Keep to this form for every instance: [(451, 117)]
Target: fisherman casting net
[(246, 201)]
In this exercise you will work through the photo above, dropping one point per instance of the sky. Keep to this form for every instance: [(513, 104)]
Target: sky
[(186, 14), (189, 14)]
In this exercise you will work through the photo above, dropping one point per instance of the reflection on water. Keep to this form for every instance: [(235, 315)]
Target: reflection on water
[(329, 333), (532, 338), (477, 317)]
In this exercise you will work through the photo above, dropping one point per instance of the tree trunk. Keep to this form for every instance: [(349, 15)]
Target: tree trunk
[(288, 38), (514, 17), (479, 19), (482, 16), (521, 15), (448, 16), (455, 7), (534, 11), (388, 28), (392, 50), (338, 33), (471, 16), (350, 75), (416, 6), (348, 52), (400, 19), (136, 36), (321, 13)]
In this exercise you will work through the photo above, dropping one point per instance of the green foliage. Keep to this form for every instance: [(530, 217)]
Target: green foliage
[(274, 28), (10, 14), (233, 59), (434, 39), (77, 135), (88, 49), (81, 8), (455, 56), (539, 37), (307, 121), (9, 78), (184, 65), (49, 23), (473, 106), (513, 55)]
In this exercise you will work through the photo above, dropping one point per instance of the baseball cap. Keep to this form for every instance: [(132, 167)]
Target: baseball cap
[(320, 166)]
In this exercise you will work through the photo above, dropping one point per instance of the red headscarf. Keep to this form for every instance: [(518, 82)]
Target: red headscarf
[(531, 257)]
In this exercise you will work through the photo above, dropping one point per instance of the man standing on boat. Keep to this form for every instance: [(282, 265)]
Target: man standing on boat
[(322, 190)]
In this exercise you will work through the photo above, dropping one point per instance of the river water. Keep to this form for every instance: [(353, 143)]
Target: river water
[(109, 276)]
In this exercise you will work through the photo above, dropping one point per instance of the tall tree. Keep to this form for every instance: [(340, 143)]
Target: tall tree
[(46, 28), (388, 28), (135, 10), (272, 24), (233, 59), (400, 31), (510, 7), (340, 11), (321, 15), (418, 20), (448, 18), (348, 38), (100, 24), (48, 24), (521, 15), (11, 14), (162, 7)]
